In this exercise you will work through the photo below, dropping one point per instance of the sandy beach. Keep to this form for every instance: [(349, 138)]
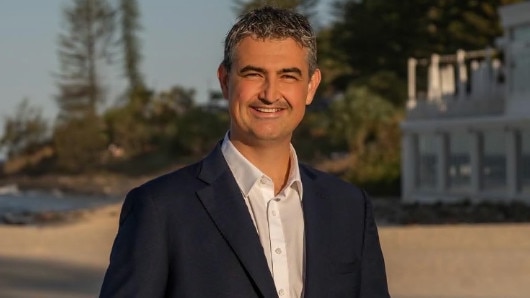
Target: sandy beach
[(444, 261), (61, 260)]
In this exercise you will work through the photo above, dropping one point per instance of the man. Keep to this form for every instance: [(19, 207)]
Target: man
[(248, 220)]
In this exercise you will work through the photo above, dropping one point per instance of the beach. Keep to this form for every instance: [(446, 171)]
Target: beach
[(68, 259)]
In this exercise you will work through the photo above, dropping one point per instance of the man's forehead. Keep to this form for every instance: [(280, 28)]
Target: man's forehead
[(239, 54)]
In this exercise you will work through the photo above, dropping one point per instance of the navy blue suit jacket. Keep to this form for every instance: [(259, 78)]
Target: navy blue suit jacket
[(190, 234)]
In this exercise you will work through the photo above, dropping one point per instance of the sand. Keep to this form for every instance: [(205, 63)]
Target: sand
[(64, 260), (450, 261), (458, 261)]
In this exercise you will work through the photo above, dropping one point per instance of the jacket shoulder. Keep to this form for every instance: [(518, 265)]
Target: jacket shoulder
[(330, 183), (181, 180)]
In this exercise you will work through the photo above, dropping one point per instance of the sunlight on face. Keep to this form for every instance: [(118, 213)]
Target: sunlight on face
[(268, 88)]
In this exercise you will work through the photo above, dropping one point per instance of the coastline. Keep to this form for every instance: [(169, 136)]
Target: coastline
[(84, 192), (88, 184), (60, 199)]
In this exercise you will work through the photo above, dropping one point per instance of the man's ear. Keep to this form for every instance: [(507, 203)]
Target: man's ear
[(314, 81), (222, 75)]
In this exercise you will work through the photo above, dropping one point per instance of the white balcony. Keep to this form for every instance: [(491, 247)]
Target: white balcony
[(467, 84)]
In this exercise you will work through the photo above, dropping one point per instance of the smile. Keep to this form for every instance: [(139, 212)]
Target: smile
[(268, 110)]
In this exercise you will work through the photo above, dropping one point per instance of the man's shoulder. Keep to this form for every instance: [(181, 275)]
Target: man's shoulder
[(327, 181), (182, 179), (189, 175)]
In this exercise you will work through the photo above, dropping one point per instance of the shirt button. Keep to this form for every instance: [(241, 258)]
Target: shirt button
[(273, 213), (278, 250), (263, 180), (281, 292)]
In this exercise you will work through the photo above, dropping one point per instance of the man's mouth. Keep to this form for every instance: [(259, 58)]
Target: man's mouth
[(267, 110)]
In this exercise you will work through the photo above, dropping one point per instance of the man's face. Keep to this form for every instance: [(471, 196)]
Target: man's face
[(268, 87)]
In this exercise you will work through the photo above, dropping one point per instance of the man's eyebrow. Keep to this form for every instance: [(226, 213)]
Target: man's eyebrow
[(252, 68), (291, 70)]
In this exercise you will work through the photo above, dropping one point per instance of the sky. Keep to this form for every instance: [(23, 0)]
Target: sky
[(182, 44)]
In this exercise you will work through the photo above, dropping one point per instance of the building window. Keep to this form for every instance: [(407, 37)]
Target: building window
[(524, 163), (494, 161), (520, 52), (427, 162), (459, 161), (521, 71), (521, 33)]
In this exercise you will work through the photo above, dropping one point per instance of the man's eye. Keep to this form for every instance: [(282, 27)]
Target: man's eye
[(289, 77)]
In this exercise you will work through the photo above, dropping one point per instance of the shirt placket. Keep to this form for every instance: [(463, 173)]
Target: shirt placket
[(278, 248)]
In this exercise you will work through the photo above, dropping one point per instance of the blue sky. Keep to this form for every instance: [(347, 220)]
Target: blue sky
[(182, 44)]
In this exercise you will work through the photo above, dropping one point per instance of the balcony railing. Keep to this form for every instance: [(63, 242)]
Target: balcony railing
[(467, 84)]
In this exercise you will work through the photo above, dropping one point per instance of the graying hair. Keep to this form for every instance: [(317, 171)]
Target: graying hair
[(272, 23)]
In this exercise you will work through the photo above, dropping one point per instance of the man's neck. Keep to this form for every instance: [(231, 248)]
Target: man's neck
[(272, 160)]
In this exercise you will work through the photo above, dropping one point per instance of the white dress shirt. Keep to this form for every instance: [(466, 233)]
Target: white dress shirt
[(278, 218)]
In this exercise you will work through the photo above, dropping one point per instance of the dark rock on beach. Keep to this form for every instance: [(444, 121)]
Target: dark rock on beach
[(391, 211)]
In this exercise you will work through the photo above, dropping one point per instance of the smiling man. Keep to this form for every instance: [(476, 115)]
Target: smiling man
[(249, 220)]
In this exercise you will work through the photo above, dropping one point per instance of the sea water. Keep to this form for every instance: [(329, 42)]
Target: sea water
[(32, 202)]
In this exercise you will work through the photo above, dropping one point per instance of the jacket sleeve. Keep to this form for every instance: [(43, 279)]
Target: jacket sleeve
[(138, 261), (373, 273)]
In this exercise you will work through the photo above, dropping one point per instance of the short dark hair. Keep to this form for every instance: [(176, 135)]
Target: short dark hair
[(276, 23)]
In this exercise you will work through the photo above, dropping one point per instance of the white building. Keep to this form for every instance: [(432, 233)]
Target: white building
[(467, 131)]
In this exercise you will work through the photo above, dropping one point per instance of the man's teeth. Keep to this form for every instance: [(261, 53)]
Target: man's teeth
[(268, 110)]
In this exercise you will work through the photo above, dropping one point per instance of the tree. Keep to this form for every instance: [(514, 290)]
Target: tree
[(130, 42), (139, 127), (127, 127), (163, 112), (80, 144), (199, 130), (84, 47), (25, 131), (371, 36), (369, 126)]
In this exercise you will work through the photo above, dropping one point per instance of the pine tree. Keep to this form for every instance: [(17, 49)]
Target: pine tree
[(130, 42), (84, 47)]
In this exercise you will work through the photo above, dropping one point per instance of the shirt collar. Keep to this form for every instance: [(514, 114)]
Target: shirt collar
[(246, 174)]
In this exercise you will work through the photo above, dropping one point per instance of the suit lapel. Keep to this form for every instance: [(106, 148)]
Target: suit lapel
[(316, 221), (225, 204)]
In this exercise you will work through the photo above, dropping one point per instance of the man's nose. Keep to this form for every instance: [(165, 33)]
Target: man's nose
[(270, 91)]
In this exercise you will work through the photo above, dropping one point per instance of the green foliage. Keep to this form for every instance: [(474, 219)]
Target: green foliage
[(200, 130), (148, 122), (386, 84), (373, 35), (311, 138), (80, 144), (86, 43), (369, 125), (25, 131), (164, 112), (359, 116), (336, 74), (85, 46), (127, 126)]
